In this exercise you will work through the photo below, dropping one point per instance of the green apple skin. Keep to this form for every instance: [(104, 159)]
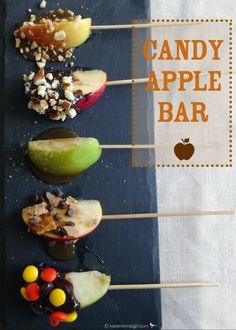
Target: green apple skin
[(88, 287), (67, 158)]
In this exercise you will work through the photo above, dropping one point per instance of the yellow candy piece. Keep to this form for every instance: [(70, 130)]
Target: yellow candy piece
[(57, 297), (22, 291), (71, 317), (30, 274)]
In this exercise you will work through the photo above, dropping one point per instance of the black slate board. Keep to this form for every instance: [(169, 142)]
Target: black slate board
[(129, 248)]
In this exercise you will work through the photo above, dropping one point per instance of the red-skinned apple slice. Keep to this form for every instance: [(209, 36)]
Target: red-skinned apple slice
[(87, 215), (83, 87)]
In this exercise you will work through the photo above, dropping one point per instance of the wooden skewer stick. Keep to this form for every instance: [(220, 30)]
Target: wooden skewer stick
[(165, 214), (128, 146), (164, 286), (147, 146), (144, 80), (141, 25)]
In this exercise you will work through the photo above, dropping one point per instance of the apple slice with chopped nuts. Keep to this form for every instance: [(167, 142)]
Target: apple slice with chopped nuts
[(88, 287), (58, 94), (69, 34), (74, 218), (51, 36)]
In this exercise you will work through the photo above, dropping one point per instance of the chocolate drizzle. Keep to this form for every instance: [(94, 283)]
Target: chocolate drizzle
[(43, 305)]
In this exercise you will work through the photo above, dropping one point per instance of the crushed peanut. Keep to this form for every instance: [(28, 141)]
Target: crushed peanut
[(43, 4)]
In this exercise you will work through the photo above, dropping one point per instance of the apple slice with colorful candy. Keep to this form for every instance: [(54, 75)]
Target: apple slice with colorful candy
[(62, 295), (59, 95)]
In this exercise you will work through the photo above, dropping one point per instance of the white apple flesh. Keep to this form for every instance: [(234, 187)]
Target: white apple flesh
[(88, 287), (91, 84)]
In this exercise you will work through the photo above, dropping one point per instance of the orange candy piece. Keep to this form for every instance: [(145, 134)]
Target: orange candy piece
[(48, 274), (32, 291), (59, 316)]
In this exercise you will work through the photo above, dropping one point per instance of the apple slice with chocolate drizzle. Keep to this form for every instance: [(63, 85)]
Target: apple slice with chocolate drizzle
[(62, 219), (59, 95)]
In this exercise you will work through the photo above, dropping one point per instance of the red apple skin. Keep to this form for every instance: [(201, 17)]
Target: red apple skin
[(87, 102), (184, 151), (58, 238)]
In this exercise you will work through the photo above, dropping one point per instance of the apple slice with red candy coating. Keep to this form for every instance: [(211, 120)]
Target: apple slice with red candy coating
[(63, 219), (59, 95), (52, 36)]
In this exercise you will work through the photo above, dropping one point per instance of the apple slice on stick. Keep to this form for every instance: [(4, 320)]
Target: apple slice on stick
[(67, 158), (59, 95), (53, 35), (70, 156), (62, 295), (63, 219)]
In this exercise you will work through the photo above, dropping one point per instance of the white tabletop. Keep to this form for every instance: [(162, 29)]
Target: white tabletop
[(198, 248)]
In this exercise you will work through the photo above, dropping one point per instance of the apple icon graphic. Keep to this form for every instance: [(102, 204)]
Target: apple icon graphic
[(184, 150)]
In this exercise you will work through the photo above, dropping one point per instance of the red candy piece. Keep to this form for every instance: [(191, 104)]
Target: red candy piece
[(53, 322), (32, 291), (48, 274), (59, 316)]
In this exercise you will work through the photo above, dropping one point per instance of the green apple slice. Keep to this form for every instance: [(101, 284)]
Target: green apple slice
[(69, 156), (88, 287)]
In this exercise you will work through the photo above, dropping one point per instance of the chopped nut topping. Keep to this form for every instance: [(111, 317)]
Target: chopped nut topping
[(55, 84), (34, 45), (53, 200), (49, 76), (69, 95), (37, 209), (17, 40), (39, 78), (41, 65), (72, 113), (54, 99), (43, 4), (41, 90), (25, 77), (32, 18), (60, 58), (31, 76), (60, 35), (46, 225), (71, 201), (38, 57)]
